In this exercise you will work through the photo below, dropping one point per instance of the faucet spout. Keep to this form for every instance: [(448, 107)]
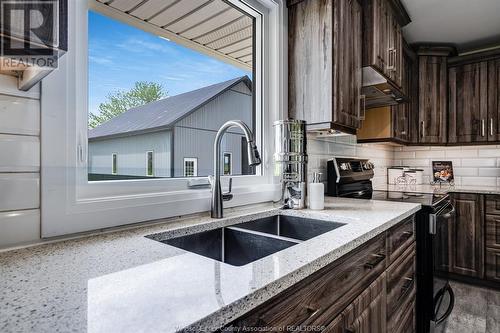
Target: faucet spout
[(253, 159)]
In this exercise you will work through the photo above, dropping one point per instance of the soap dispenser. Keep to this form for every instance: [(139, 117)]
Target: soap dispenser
[(316, 193)]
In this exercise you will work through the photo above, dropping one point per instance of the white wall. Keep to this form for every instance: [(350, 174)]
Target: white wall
[(19, 163), (472, 165), (322, 149)]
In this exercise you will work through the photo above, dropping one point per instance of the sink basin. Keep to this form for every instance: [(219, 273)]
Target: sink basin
[(230, 245), (290, 226), (244, 243)]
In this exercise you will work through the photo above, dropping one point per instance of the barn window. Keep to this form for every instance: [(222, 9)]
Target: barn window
[(227, 163), (149, 164), (114, 164), (190, 167)]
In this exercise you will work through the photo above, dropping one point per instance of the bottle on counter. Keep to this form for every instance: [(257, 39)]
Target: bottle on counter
[(316, 193)]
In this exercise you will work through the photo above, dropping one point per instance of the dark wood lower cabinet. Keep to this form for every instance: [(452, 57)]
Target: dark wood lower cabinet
[(466, 236), (350, 295)]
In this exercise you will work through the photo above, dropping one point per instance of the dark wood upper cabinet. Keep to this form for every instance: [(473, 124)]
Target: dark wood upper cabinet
[(382, 39), (433, 106), (325, 63), (494, 100), (468, 103)]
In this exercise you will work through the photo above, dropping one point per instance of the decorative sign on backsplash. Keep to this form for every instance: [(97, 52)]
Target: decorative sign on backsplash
[(442, 172)]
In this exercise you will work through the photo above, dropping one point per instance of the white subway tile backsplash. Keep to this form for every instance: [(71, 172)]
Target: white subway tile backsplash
[(429, 154), (19, 191), (19, 227), (481, 181), (404, 154), (479, 162), (466, 171), (461, 153), (492, 152), (489, 172), (19, 153)]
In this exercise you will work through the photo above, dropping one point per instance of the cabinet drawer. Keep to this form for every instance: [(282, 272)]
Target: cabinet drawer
[(493, 204), (408, 320), (493, 231), (400, 237), (328, 290), (492, 264), (401, 279)]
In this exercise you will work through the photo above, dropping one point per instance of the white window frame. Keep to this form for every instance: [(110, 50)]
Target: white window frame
[(114, 163), (152, 163), (71, 204), (195, 166), (230, 163)]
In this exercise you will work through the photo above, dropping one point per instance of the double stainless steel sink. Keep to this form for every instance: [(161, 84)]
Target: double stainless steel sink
[(244, 243)]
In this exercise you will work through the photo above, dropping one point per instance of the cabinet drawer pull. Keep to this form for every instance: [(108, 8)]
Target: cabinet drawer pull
[(407, 284), (491, 126), (407, 234), (483, 127), (378, 259)]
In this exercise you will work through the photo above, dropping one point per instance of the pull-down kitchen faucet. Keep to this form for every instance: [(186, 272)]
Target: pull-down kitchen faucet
[(253, 159)]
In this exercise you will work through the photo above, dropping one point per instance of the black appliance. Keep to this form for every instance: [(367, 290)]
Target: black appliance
[(435, 297)]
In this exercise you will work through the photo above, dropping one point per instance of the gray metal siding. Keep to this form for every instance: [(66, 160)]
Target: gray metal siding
[(132, 154), (233, 104), (198, 143), (195, 134)]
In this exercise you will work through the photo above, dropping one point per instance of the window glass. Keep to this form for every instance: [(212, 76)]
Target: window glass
[(113, 164), (190, 167), (148, 91), (227, 163), (149, 162)]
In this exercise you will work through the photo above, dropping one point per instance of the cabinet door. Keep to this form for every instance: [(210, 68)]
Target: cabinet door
[(494, 100), (432, 99), (468, 103), (466, 243), (347, 58), (401, 113), (367, 313), (493, 264)]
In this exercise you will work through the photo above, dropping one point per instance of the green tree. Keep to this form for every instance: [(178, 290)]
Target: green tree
[(121, 101)]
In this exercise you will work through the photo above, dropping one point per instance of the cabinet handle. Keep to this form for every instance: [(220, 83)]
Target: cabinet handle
[(390, 59), (407, 284), (423, 129), (491, 126), (407, 234), (378, 259), (483, 128)]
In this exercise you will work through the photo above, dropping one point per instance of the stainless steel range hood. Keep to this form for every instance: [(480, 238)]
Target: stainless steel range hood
[(380, 91)]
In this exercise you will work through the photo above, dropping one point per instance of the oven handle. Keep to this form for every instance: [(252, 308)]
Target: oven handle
[(354, 194), (450, 213), (439, 296)]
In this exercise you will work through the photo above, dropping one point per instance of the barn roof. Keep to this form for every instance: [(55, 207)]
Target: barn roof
[(161, 114)]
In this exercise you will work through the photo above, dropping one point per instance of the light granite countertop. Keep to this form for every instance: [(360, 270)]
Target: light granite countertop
[(440, 189), (125, 282)]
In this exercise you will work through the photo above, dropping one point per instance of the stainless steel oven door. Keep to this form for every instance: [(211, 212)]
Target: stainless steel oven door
[(443, 296)]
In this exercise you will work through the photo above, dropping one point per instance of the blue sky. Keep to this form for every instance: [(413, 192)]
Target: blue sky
[(120, 55)]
